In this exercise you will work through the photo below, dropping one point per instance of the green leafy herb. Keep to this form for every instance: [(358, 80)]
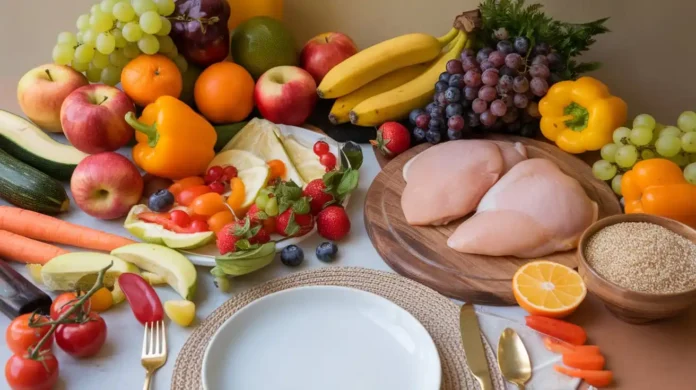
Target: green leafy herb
[(301, 206), (519, 19), (292, 228), (348, 183)]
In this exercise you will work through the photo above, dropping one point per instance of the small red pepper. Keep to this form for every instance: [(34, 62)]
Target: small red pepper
[(142, 298), (163, 220), (562, 330)]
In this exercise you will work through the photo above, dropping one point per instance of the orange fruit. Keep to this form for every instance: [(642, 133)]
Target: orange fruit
[(220, 220), (224, 93), (208, 204), (147, 77), (548, 289)]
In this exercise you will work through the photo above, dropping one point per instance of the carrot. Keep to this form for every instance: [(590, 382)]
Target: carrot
[(584, 361), (42, 227), (558, 346), (565, 331), (25, 250), (592, 377)]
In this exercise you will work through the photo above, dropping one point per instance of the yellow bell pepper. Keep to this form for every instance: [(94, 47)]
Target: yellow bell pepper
[(657, 186), (173, 140), (581, 115)]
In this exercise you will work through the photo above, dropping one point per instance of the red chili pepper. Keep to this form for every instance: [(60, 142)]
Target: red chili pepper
[(562, 330), (142, 298)]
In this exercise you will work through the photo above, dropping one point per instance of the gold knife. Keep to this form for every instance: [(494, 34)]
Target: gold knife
[(473, 347)]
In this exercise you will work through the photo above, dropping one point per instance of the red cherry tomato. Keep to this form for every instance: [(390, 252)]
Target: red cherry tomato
[(180, 218), (229, 173), (82, 339), (328, 160), (142, 298), (186, 196), (23, 373), (199, 226), (321, 148), (60, 303), (217, 187), (19, 336), (213, 174)]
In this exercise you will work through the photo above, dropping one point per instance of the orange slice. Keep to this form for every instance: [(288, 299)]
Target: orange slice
[(548, 289)]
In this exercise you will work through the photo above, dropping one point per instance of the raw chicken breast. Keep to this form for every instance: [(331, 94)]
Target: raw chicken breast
[(533, 211), (512, 154), (447, 181)]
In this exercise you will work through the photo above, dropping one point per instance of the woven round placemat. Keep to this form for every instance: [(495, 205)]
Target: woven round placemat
[(438, 314)]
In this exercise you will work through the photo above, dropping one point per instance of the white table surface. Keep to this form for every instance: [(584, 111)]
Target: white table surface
[(117, 366)]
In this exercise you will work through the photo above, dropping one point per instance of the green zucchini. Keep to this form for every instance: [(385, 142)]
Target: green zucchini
[(26, 142), (28, 188)]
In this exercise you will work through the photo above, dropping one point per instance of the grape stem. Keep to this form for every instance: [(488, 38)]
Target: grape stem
[(64, 318)]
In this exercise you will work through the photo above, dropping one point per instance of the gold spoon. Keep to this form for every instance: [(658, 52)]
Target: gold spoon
[(513, 358)]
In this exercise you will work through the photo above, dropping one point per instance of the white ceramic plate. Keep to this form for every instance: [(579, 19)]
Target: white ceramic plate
[(205, 256), (321, 338)]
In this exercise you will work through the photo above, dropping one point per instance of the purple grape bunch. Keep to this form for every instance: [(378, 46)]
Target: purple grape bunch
[(494, 89)]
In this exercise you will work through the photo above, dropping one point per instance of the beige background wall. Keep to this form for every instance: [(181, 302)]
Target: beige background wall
[(649, 57)]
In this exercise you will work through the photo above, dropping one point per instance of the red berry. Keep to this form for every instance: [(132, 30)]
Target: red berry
[(328, 160), (229, 173), (180, 218), (317, 197), (214, 173), (333, 223), (321, 148), (217, 187), (199, 226), (392, 139), (422, 121)]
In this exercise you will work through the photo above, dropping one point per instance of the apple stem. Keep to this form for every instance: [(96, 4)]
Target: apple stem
[(326, 39), (48, 72), (103, 100), (149, 130)]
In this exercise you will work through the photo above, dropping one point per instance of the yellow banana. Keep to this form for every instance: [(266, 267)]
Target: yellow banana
[(342, 106), (380, 59), (397, 103)]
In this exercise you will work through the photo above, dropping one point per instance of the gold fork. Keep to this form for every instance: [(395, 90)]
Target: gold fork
[(154, 349)]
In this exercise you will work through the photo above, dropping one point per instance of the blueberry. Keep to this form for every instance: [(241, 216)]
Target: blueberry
[(453, 134), (430, 107), (505, 47), (441, 86), (327, 251), (414, 114), (418, 135), (472, 119), (436, 123), (444, 76), (453, 95), (456, 81), (433, 136), (482, 54), (292, 256), (161, 200), (454, 109), (521, 45), (437, 112)]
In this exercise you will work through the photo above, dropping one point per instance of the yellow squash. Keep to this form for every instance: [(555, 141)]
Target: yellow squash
[(342, 106), (398, 102), (380, 59)]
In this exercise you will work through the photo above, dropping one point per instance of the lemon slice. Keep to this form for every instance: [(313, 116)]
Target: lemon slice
[(240, 159), (304, 159), (254, 180)]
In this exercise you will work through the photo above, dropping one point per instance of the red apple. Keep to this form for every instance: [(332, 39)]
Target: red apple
[(41, 92), (321, 53), (93, 118), (286, 94), (106, 185)]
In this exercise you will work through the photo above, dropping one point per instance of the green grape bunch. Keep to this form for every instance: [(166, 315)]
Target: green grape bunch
[(648, 139), (113, 33)]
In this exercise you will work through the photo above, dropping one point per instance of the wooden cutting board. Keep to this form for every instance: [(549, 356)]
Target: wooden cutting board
[(422, 254)]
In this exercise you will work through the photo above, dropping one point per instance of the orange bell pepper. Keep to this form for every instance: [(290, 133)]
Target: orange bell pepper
[(657, 186)]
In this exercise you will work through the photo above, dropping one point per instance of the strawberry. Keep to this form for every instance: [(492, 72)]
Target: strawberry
[(333, 223), (261, 236), (256, 215), (392, 139), (316, 191), (226, 240), (292, 224), (269, 225)]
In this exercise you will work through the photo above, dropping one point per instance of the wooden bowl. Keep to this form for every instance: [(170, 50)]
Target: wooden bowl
[(631, 306)]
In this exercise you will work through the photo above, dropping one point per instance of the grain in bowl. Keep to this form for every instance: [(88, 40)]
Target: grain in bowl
[(643, 257)]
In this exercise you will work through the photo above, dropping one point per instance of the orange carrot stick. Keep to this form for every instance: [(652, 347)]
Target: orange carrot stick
[(584, 361), (565, 331), (559, 346), (592, 377), (45, 228), (25, 250)]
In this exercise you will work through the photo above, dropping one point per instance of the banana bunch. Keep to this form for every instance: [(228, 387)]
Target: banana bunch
[(386, 81)]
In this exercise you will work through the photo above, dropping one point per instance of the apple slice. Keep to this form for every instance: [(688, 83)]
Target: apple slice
[(254, 180), (240, 159)]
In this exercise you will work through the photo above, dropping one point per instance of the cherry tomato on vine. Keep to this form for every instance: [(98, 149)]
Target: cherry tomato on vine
[(23, 373), (19, 336), (82, 339)]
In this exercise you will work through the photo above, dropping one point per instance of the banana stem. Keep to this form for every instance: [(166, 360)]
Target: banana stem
[(447, 38)]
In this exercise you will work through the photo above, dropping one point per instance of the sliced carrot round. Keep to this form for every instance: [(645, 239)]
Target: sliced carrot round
[(548, 289)]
